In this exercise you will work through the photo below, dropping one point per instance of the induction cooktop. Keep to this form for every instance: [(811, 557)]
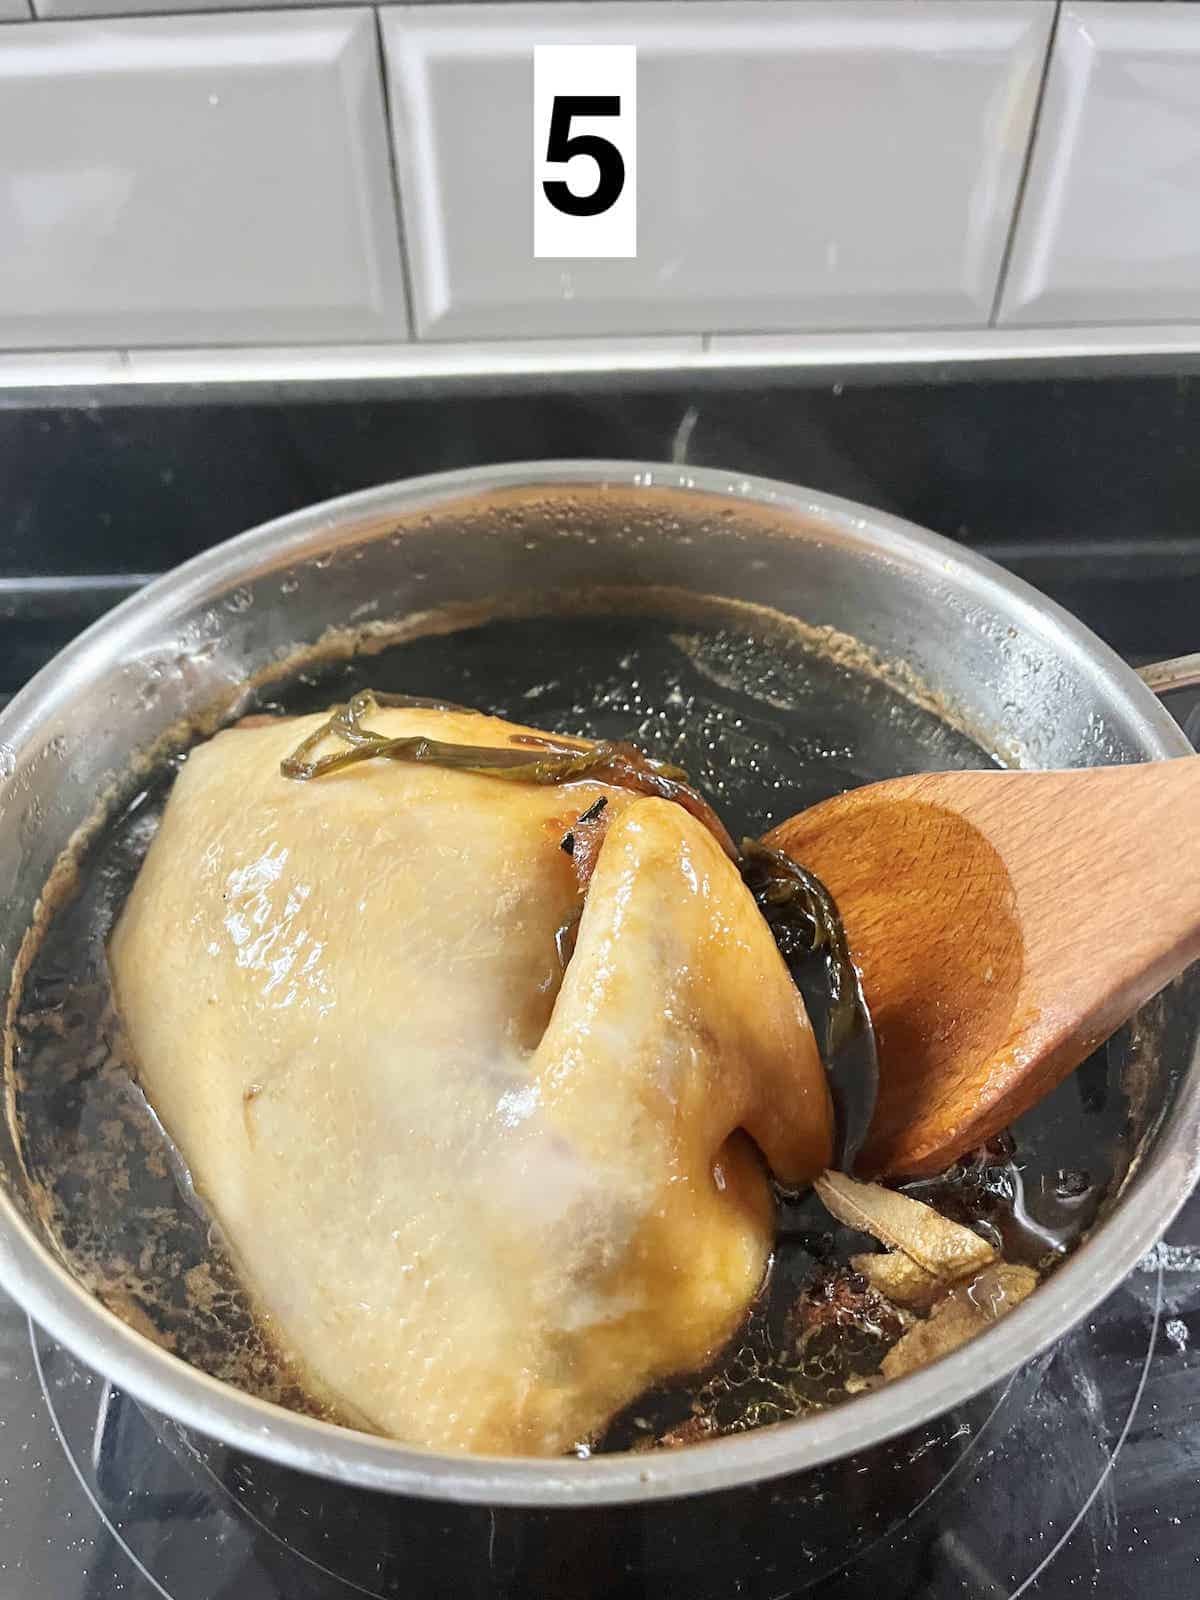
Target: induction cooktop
[(1081, 1474)]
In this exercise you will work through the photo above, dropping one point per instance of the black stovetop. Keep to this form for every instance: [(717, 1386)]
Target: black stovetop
[(1086, 1476)]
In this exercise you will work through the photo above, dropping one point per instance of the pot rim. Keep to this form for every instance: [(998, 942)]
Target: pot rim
[(1151, 1198)]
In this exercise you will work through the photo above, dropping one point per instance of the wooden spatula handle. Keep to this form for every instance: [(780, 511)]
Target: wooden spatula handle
[(1005, 925)]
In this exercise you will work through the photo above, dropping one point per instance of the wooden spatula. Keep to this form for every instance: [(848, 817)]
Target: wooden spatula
[(1005, 924)]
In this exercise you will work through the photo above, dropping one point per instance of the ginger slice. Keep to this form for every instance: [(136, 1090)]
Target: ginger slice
[(899, 1279), (944, 1249), (967, 1309), (931, 1265)]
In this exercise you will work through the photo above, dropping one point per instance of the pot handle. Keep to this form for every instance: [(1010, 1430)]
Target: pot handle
[(1181, 673)]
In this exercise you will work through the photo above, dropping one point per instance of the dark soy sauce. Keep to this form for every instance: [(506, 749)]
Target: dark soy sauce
[(764, 728)]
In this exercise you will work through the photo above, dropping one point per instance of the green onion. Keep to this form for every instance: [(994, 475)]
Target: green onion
[(529, 758)]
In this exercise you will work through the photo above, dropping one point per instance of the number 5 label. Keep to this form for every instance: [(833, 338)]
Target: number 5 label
[(585, 150)]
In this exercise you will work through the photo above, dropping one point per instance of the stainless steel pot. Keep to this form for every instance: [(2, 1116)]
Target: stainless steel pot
[(1016, 670)]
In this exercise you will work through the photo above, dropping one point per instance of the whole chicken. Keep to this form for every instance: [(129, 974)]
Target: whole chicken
[(481, 1096)]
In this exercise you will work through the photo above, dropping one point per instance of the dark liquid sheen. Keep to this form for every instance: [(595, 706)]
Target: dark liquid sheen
[(764, 729)]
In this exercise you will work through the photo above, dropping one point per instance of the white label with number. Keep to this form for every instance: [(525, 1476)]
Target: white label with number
[(585, 150)]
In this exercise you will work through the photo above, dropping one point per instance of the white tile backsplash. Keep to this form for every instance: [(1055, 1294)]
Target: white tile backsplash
[(803, 165), (1109, 229), (212, 179), (810, 169), (52, 10)]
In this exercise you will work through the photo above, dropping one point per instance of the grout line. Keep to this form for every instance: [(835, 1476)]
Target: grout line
[(947, 355), (394, 168), (1019, 198)]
